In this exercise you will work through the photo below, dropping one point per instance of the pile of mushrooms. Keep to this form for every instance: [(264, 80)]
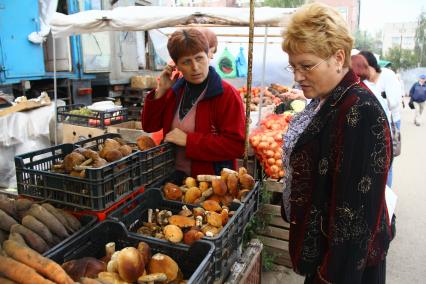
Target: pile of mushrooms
[(230, 186), (137, 265), (76, 162), (188, 225)]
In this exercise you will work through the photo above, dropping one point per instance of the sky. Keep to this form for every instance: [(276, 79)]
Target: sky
[(375, 13)]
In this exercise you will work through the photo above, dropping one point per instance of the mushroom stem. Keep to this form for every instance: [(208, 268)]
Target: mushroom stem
[(149, 215)]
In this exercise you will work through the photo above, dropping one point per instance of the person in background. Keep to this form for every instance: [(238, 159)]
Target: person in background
[(212, 39), (191, 109), (384, 83), (418, 95), (337, 153)]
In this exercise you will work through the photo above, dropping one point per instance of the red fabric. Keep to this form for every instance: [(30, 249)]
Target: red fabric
[(219, 129)]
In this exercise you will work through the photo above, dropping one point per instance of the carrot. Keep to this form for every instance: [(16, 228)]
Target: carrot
[(20, 272), (41, 264), (6, 281), (6, 221), (17, 237), (32, 239), (8, 205), (49, 220), (38, 227)]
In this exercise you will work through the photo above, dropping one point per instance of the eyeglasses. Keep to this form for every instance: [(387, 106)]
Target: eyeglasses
[(304, 68)]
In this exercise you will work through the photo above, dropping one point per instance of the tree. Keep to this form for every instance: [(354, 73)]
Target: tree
[(401, 58), (283, 3), (420, 40), (365, 41)]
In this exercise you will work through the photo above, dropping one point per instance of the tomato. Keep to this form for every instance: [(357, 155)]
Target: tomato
[(107, 121), (93, 122)]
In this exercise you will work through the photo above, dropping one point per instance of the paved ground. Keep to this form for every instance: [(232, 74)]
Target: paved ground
[(407, 254)]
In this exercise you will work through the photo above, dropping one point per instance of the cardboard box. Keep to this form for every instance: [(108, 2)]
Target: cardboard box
[(129, 130), (75, 133), (143, 82)]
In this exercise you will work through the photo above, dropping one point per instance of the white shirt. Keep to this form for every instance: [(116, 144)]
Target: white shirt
[(389, 83), (378, 94)]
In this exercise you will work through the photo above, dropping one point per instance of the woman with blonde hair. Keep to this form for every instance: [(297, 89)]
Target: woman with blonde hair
[(337, 153)]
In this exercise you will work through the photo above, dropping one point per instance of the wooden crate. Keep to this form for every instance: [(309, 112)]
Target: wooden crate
[(248, 268), (276, 235)]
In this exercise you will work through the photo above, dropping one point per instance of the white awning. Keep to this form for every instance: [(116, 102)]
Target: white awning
[(140, 18)]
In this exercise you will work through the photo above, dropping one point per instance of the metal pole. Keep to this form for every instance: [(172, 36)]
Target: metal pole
[(55, 91), (263, 74), (249, 81)]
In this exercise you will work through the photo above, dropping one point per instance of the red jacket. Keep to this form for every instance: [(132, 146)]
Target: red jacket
[(219, 124)]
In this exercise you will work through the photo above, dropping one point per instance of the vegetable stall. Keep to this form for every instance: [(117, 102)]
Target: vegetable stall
[(102, 211)]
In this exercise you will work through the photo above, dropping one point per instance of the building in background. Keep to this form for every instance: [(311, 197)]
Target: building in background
[(350, 10), (400, 35)]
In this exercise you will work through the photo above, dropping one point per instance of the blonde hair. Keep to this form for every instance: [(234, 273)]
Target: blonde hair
[(318, 29)]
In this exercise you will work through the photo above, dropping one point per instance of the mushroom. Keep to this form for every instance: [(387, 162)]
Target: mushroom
[(219, 187), (190, 182), (225, 216), (185, 211), (109, 251), (210, 231), (162, 216), (211, 205), (191, 236), (73, 159), (181, 221), (172, 191), (130, 264), (173, 233), (152, 278), (214, 219), (199, 221), (242, 193), (111, 277), (161, 263), (145, 250), (198, 212), (247, 181), (192, 194), (204, 186), (232, 184)]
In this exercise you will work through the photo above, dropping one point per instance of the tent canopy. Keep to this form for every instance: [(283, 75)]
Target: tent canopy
[(141, 18)]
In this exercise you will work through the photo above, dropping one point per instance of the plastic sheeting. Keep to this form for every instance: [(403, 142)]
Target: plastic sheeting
[(22, 132), (142, 18)]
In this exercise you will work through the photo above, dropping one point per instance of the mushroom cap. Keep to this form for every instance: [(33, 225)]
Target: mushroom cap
[(182, 221), (173, 233), (161, 263)]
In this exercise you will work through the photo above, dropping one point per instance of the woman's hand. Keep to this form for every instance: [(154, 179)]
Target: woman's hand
[(166, 81), (176, 136)]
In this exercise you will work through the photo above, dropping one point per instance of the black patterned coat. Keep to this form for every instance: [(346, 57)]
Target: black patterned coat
[(339, 220)]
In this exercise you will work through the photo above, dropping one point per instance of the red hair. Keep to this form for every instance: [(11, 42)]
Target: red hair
[(211, 38), (186, 42)]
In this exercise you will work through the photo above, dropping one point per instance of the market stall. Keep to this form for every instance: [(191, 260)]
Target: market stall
[(156, 230)]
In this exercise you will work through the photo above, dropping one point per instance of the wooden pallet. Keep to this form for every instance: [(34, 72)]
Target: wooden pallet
[(276, 235)]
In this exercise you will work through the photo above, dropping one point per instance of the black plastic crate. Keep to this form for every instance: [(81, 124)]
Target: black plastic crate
[(157, 163), (194, 262), (87, 221), (101, 187), (134, 212), (98, 119), (251, 205), (154, 164)]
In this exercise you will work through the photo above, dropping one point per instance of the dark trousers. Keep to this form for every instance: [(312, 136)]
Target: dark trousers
[(372, 275)]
